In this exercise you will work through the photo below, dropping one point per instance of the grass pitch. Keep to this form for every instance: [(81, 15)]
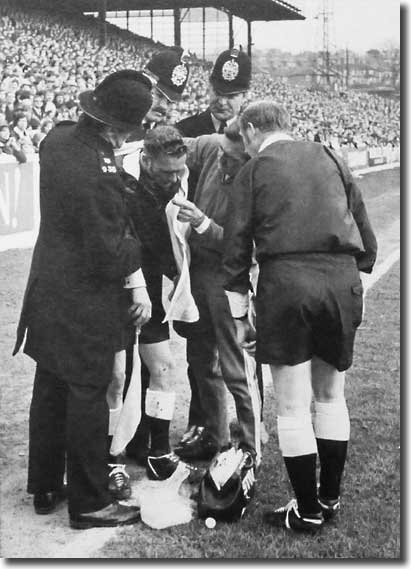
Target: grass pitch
[(369, 523)]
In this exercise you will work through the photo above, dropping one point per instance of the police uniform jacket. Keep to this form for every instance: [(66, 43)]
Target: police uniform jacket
[(292, 200), (198, 124), (75, 303)]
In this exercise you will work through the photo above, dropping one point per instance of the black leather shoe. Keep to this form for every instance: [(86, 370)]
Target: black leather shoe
[(47, 502), (199, 448), (113, 515), (192, 433)]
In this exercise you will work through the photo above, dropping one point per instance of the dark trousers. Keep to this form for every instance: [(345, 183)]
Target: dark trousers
[(69, 422), (215, 331)]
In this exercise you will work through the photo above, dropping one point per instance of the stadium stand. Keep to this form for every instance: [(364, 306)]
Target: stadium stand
[(47, 59)]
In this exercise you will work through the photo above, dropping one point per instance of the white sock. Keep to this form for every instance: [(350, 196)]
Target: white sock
[(296, 435), (331, 420)]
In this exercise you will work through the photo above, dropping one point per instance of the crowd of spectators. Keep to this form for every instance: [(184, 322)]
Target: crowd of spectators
[(47, 59)]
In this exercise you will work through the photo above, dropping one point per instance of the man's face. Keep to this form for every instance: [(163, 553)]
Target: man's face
[(159, 108), (231, 157), (167, 171), (225, 107), (4, 134), (38, 102), (115, 136)]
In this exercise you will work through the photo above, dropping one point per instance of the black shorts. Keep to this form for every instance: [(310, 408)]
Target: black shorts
[(308, 306), (155, 330)]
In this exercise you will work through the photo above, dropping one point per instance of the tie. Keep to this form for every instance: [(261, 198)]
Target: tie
[(223, 124)]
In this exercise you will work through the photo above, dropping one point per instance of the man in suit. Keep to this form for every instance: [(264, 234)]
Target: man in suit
[(229, 82), (217, 159), (75, 301), (301, 207)]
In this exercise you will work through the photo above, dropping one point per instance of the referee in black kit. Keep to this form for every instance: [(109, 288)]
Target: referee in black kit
[(300, 205)]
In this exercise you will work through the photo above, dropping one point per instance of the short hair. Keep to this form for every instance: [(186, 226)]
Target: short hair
[(232, 131), (267, 116), (164, 140)]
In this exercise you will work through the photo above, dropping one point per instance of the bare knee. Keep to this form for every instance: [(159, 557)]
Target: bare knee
[(327, 382), (160, 374)]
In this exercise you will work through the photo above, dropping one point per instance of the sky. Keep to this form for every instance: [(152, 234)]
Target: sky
[(358, 25)]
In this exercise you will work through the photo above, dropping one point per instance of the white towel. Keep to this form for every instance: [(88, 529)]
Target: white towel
[(182, 305), (131, 412)]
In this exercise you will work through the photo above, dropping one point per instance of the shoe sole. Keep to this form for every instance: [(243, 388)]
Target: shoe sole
[(77, 524), (45, 511)]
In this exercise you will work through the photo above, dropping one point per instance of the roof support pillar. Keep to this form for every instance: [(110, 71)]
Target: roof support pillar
[(230, 31), (177, 26), (250, 38), (204, 31), (102, 23), (151, 25)]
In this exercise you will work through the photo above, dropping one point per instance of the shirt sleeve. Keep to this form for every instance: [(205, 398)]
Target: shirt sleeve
[(366, 259), (238, 238), (135, 280)]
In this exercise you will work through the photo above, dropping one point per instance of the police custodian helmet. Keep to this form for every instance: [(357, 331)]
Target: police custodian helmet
[(169, 72), (231, 73), (121, 100)]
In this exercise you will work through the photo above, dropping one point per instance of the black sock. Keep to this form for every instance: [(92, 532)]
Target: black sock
[(302, 473), (159, 430), (332, 456)]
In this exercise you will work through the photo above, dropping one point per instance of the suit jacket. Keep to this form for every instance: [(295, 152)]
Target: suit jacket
[(75, 304), (291, 199), (194, 126), (198, 124)]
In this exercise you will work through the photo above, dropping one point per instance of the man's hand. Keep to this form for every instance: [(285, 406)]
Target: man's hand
[(245, 334), (189, 212), (140, 309)]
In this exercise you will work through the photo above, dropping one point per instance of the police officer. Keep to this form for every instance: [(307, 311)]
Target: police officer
[(75, 301), (300, 205), (229, 82)]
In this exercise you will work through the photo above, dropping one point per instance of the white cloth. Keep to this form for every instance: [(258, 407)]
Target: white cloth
[(238, 302), (131, 411), (182, 305)]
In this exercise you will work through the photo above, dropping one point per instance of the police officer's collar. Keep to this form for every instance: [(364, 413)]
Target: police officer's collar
[(275, 137)]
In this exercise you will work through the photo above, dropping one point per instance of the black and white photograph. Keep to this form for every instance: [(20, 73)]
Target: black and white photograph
[(200, 280)]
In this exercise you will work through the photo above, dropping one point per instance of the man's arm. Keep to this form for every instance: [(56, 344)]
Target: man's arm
[(366, 260), (238, 242)]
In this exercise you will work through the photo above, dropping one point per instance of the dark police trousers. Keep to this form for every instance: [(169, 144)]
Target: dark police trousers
[(69, 422)]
